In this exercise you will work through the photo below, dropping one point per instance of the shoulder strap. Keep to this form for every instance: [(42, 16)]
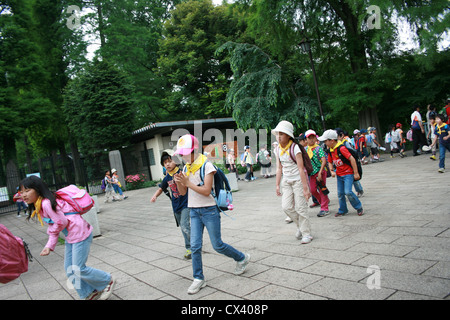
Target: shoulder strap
[(291, 151)]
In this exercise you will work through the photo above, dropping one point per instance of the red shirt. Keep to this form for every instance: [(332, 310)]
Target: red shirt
[(342, 168)]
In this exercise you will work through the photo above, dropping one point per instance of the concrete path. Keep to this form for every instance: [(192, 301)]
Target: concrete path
[(400, 248)]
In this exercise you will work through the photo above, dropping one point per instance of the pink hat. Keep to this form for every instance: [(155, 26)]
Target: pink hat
[(186, 144)]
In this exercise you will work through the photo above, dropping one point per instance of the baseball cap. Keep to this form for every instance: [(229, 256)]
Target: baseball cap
[(329, 135), (186, 144), (310, 132)]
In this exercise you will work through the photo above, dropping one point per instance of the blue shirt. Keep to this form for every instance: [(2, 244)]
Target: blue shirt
[(442, 132), (179, 202)]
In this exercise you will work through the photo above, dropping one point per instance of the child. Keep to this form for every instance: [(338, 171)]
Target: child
[(318, 176), (374, 144), (248, 161), (20, 203), (116, 184), (179, 202), (431, 135), (401, 139), (294, 181), (203, 210), (362, 143), (442, 132), (90, 283), (264, 160), (345, 173), (109, 190)]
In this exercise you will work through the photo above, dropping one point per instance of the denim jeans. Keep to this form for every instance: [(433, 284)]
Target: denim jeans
[(184, 221), (344, 188), (208, 217), (358, 186), (84, 279), (117, 189), (442, 149)]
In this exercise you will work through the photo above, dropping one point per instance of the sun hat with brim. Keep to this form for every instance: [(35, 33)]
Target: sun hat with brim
[(329, 135), (186, 144), (285, 127)]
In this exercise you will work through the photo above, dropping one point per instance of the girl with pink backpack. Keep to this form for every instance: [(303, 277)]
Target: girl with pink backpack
[(62, 212)]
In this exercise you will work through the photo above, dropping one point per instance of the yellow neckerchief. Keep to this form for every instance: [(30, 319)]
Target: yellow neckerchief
[(37, 210), (197, 164), (311, 149), (336, 146), (439, 127), (175, 170), (285, 149)]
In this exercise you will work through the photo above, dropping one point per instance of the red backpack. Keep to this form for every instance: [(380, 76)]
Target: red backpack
[(14, 256)]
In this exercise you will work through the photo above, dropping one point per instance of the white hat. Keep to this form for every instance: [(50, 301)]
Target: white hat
[(310, 132), (329, 135), (113, 170), (285, 127), (356, 131)]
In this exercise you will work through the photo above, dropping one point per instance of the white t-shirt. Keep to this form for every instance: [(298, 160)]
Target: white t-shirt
[(290, 168), (196, 200)]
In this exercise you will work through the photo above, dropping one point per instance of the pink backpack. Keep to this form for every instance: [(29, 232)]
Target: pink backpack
[(14, 255), (77, 198)]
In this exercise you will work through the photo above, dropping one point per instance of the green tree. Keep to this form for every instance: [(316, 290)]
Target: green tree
[(196, 80), (100, 108)]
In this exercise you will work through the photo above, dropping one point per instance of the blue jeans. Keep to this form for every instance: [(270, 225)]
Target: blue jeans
[(442, 149), (358, 186), (344, 188), (185, 226), (84, 279), (117, 189), (208, 217)]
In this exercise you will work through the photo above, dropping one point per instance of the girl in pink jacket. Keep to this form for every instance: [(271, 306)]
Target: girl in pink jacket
[(90, 283)]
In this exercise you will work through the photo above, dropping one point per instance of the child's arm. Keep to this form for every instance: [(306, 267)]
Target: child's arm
[(183, 183), (156, 195), (278, 177), (354, 167)]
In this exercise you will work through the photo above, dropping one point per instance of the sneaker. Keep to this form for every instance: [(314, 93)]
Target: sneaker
[(340, 214), (323, 213), (196, 285), (288, 220), (187, 255), (307, 239), (93, 296), (441, 170), (360, 212), (19, 216), (433, 157), (298, 234), (242, 265), (314, 205), (106, 293)]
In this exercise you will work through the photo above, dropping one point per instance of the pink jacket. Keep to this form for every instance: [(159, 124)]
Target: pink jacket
[(77, 228)]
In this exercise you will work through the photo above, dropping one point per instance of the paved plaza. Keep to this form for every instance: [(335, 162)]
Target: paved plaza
[(400, 248)]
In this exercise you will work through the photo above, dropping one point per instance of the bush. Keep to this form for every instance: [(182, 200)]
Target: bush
[(135, 181)]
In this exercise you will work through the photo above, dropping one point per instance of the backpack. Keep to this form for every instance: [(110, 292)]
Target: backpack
[(103, 184), (221, 191), (77, 198), (306, 160), (388, 138), (14, 256), (346, 161), (409, 135)]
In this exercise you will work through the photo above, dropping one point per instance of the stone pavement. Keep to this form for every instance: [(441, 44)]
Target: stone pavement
[(400, 248)]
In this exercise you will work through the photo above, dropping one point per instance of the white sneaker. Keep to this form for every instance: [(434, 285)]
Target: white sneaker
[(441, 170), (307, 239), (106, 293), (196, 285), (298, 234), (288, 220), (242, 265)]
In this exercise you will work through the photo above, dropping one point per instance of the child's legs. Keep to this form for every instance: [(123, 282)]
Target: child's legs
[(442, 149), (196, 243), (341, 194), (358, 186), (211, 220), (84, 279), (301, 207), (287, 201), (348, 183), (185, 226), (317, 193)]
